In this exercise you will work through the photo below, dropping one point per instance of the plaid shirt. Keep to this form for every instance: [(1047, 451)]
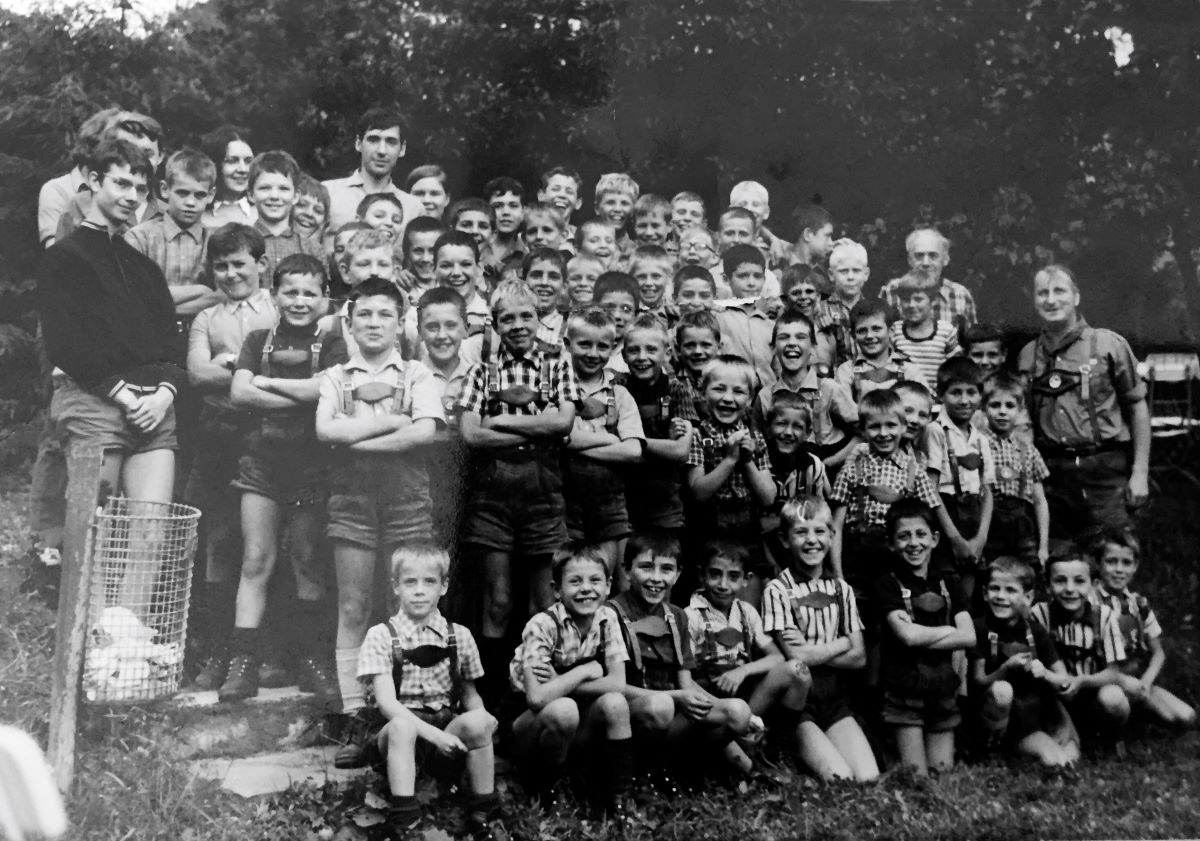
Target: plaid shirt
[(783, 610), (708, 449), (517, 371), (691, 398), (705, 621), (1075, 639), (891, 471), (179, 252), (552, 638), (832, 318), (953, 302), (282, 245), (419, 687), (1018, 466)]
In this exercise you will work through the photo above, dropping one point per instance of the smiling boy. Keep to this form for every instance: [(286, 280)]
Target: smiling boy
[(273, 179)]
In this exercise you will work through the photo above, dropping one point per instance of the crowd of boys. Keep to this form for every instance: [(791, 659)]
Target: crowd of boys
[(682, 487)]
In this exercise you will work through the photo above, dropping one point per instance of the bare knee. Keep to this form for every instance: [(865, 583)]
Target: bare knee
[(1114, 703), (653, 712), (499, 602), (401, 733), (1000, 694), (476, 728), (613, 708), (734, 713), (353, 608), (560, 718), (257, 562)]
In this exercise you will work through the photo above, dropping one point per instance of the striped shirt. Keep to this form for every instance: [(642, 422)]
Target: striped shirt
[(927, 355), (1018, 466), (551, 638), (822, 610), (179, 252), (898, 472), (705, 622), (708, 449), (1087, 644), (419, 687), (946, 445), (514, 371), (1135, 618)]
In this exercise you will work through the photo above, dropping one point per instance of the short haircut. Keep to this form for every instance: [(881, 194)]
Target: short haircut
[(810, 217), (1098, 538), (191, 163), (366, 241), (580, 259), (792, 314), (907, 509), (135, 123), (698, 320), (739, 255), (847, 249), (727, 549), (879, 402), (687, 195), (660, 543), (791, 400), (654, 254), (545, 255), (311, 187), (512, 292), (695, 231), (118, 152), (689, 272), (616, 182), (1013, 567), (915, 388), (591, 225), (646, 321), (562, 170), (744, 213), (216, 143), (441, 295), (652, 204), (869, 308), (90, 133), (352, 225), (578, 552), (1005, 382), (538, 208), (381, 118), (420, 225), (958, 370), (378, 287), (745, 187), (425, 171), (793, 276), (232, 238), (300, 264), (943, 243), (597, 317), (612, 281), (277, 162), (1071, 554), (1060, 269), (469, 205), (420, 551), (982, 332), (805, 507), (456, 238), (728, 362), (371, 199), (915, 283), (503, 185)]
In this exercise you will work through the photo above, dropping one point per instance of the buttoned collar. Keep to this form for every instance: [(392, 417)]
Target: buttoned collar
[(359, 363), (435, 622)]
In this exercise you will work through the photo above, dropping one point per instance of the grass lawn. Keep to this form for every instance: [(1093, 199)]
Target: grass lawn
[(129, 789)]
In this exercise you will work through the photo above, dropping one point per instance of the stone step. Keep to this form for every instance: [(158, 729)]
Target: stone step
[(267, 773)]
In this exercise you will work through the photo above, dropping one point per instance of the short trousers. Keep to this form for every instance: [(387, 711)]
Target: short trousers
[(1031, 711), (1086, 713), (87, 421), (932, 713), (285, 475), (516, 504), (827, 703), (219, 439), (1013, 530), (594, 498), (866, 558), (964, 512), (427, 757), (652, 497), (707, 680), (380, 502)]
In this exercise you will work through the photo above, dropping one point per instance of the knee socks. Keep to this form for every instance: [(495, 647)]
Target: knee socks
[(348, 682)]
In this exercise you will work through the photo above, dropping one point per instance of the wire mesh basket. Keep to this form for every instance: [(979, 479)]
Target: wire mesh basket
[(138, 599)]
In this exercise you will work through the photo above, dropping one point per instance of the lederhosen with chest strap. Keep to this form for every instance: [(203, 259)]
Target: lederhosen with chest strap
[(934, 674), (965, 509), (650, 629), (707, 667), (1013, 530), (827, 685), (652, 489), (1083, 659), (517, 396), (287, 426), (373, 474), (866, 553), (884, 377), (1032, 707)]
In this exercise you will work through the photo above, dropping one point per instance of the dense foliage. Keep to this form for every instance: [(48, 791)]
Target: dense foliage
[(1005, 121)]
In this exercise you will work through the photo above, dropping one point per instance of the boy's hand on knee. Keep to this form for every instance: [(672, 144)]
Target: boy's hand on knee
[(730, 681), (1036, 668), (1132, 686), (1068, 687), (1018, 662), (449, 745), (696, 703)]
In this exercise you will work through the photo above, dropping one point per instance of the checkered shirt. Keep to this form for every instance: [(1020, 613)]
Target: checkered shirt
[(891, 471), (1076, 638), (691, 398), (179, 252), (552, 638), (953, 303), (818, 625), (1015, 460), (419, 687), (513, 371), (281, 245), (704, 621), (832, 317), (708, 449)]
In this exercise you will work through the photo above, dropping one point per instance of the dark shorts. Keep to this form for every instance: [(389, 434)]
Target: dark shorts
[(1013, 530), (380, 502), (1031, 711), (87, 421), (515, 504), (594, 497), (827, 703), (286, 475), (706, 680), (1086, 712), (652, 497), (1085, 491), (427, 757), (219, 439), (932, 713), (964, 512), (865, 559)]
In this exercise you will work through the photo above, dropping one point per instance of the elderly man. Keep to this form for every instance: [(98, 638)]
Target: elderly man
[(929, 254), (380, 143)]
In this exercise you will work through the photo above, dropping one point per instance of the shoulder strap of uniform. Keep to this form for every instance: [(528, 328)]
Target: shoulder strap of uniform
[(631, 643), (945, 591), (347, 393), (264, 367), (314, 352), (676, 642), (397, 649), (455, 668), (906, 595)]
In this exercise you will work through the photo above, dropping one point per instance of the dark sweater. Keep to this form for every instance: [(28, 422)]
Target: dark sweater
[(106, 314)]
